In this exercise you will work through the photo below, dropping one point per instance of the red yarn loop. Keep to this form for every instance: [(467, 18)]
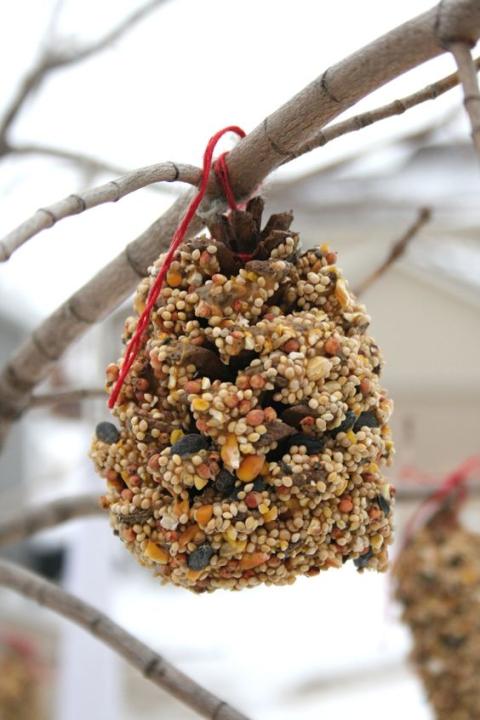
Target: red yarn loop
[(453, 483), (221, 171)]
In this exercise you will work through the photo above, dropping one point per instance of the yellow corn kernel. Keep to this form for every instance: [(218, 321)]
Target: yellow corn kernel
[(193, 575), (271, 515), (199, 404), (174, 279), (187, 535), (251, 560), (156, 553), (200, 482), (175, 436), (250, 467), (238, 546), (204, 514), (180, 507), (352, 437)]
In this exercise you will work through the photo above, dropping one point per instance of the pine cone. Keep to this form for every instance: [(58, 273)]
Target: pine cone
[(438, 585), (252, 424)]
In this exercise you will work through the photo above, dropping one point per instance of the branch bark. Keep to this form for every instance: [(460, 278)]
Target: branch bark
[(396, 252), (152, 665), (33, 520), (467, 71), (109, 192), (66, 396), (397, 107), (268, 146), (52, 59)]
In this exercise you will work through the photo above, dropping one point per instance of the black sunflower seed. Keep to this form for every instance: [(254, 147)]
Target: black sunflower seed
[(348, 422), (107, 433), (224, 483), (313, 444), (189, 444), (362, 561), (200, 557), (383, 504), (366, 419)]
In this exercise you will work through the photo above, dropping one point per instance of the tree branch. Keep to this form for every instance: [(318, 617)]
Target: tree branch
[(279, 136), (152, 665), (467, 71), (109, 192), (85, 162), (33, 520), (396, 252), (65, 396), (397, 107), (263, 150), (53, 59)]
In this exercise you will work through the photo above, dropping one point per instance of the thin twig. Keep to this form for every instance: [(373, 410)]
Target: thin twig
[(396, 251), (467, 71), (397, 107), (82, 160), (277, 138), (53, 59), (410, 492), (152, 665), (109, 192), (66, 396), (32, 520)]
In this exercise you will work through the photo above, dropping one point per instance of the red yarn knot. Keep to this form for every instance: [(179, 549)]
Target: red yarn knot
[(136, 342)]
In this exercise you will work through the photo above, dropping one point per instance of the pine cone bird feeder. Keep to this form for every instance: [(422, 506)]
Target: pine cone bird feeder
[(252, 424), (438, 585)]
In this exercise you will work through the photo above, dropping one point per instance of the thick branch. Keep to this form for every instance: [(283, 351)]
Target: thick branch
[(397, 107), (52, 59), (32, 520), (109, 192), (467, 70), (66, 396), (267, 147), (152, 665), (396, 252), (279, 136)]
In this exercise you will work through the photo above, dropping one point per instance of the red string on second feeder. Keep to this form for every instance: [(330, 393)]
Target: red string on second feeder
[(221, 171), (455, 482)]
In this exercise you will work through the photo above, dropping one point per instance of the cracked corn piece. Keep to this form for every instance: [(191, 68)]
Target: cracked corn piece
[(252, 429)]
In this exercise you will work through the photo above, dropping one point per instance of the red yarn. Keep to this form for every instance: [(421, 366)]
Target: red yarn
[(221, 171), (136, 342), (455, 482)]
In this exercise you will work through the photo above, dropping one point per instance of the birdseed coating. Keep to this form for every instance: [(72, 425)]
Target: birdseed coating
[(438, 584), (252, 425)]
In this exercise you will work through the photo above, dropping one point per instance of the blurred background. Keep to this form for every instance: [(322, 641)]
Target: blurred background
[(331, 645)]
